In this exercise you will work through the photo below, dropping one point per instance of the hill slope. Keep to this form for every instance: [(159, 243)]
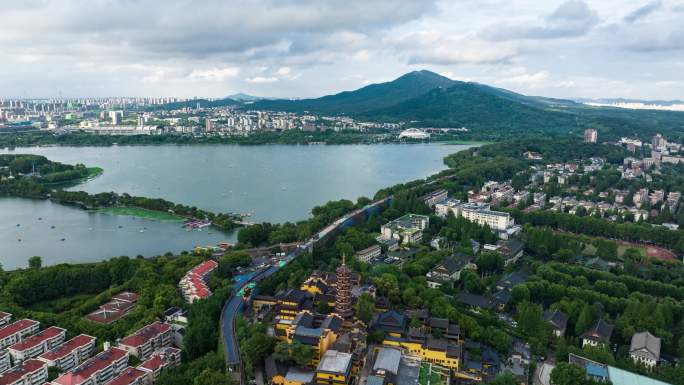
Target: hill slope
[(365, 99), (426, 99)]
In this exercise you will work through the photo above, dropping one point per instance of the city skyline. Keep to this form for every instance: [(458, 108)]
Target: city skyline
[(293, 49)]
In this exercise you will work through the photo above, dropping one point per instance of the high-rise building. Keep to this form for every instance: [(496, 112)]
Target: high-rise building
[(116, 117), (590, 135), (659, 142), (343, 291), (208, 126)]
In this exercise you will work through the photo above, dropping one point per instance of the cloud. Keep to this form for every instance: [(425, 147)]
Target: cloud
[(643, 11), (215, 74), (571, 19), (262, 79), (431, 47)]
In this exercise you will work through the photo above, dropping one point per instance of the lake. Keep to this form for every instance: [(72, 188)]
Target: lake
[(276, 183)]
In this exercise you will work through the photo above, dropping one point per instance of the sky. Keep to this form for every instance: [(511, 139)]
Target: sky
[(309, 48)]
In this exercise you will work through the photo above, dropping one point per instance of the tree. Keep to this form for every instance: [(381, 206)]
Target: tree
[(365, 308), (324, 307), (586, 317), (566, 373), (505, 379), (489, 262), (258, 346), (281, 351), (302, 354), (35, 262), (520, 293), (213, 377), (531, 320)]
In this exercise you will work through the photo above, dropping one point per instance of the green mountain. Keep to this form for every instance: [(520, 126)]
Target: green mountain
[(366, 99), (426, 99)]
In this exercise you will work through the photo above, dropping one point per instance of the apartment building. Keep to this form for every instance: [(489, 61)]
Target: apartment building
[(194, 284), (71, 353), (131, 376), (368, 254), (5, 361), (431, 199), (148, 339), (479, 213), (5, 318), (30, 372), (17, 331), (160, 360), (406, 229), (98, 370), (117, 307), (37, 344)]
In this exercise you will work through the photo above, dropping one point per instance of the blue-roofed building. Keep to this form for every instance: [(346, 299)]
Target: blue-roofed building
[(600, 372)]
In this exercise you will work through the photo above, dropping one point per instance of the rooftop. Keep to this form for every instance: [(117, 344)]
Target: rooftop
[(16, 327), (38, 338), (128, 376), (90, 367), (388, 359), (67, 347), (335, 362), (13, 375), (145, 334)]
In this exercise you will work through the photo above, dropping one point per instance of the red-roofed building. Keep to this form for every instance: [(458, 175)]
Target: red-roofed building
[(98, 370), (4, 318), (148, 339), (131, 376), (71, 353), (194, 283), (116, 308), (160, 360), (15, 332), (37, 344), (126, 296), (30, 372), (5, 362)]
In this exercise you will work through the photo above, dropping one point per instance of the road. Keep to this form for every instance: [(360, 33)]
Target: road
[(235, 303)]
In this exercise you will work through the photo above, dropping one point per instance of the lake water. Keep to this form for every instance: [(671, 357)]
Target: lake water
[(276, 183)]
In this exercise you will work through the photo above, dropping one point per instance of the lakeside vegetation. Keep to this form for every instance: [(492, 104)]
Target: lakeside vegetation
[(34, 176), (142, 213)]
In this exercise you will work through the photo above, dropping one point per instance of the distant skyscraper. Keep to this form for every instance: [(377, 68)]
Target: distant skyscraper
[(208, 126), (590, 135), (343, 291), (116, 117)]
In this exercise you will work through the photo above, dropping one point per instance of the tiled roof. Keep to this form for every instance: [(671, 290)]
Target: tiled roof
[(128, 376), (145, 334), (38, 338), (90, 367), (67, 347), (13, 375), (16, 327)]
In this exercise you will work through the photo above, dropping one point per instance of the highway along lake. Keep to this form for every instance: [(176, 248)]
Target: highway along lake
[(274, 183)]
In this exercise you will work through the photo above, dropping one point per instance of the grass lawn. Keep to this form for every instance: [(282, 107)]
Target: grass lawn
[(622, 248), (435, 377), (141, 213)]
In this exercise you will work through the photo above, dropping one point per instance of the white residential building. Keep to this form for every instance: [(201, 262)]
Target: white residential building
[(17, 331), (148, 339), (71, 353), (37, 344), (30, 372), (98, 370), (406, 229)]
